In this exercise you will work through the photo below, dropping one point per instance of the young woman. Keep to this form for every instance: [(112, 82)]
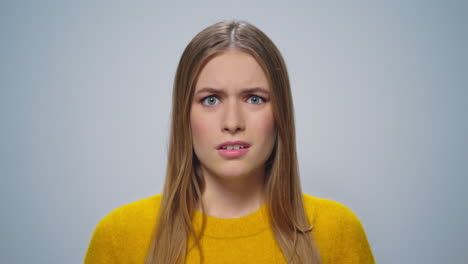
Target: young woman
[(232, 192)]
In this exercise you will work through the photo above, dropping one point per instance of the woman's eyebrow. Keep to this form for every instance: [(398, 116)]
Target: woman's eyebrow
[(244, 91), (256, 90), (210, 90)]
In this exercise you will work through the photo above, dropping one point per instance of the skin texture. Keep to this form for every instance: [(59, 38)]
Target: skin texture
[(234, 186)]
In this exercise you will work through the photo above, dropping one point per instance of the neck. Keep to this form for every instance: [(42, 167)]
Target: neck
[(233, 197)]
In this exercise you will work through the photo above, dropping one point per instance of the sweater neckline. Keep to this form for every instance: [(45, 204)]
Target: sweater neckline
[(248, 225)]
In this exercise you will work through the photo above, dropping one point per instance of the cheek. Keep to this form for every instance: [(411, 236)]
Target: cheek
[(265, 126), (200, 129)]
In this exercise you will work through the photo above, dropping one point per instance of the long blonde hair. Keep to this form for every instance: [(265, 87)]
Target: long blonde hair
[(184, 184)]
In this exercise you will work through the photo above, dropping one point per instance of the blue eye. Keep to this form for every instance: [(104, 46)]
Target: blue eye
[(256, 99), (209, 100)]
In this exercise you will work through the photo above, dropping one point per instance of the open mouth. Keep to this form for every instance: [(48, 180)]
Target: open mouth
[(230, 145), (234, 147)]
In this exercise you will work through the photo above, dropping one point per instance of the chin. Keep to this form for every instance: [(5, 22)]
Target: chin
[(235, 168), (231, 173)]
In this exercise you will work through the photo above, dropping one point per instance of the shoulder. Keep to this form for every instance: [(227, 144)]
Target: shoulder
[(330, 211), (137, 207), (131, 223), (338, 231), (133, 215), (140, 208)]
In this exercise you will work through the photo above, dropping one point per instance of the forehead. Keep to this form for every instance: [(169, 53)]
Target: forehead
[(232, 69)]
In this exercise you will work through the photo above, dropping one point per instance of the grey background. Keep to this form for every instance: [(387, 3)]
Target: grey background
[(380, 95)]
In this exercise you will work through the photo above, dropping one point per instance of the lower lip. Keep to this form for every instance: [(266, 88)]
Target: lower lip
[(232, 153)]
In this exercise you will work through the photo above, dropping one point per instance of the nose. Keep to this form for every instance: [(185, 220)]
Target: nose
[(233, 118)]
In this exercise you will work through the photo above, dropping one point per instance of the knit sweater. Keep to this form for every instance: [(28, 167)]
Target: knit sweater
[(124, 235)]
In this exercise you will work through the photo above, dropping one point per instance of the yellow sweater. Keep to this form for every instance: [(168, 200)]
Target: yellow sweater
[(123, 236)]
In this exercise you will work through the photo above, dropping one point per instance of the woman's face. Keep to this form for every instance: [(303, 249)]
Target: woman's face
[(231, 102)]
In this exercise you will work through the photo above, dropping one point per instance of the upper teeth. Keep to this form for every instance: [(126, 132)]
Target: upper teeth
[(233, 147)]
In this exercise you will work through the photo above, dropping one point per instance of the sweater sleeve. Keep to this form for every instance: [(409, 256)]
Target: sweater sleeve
[(101, 246), (353, 246)]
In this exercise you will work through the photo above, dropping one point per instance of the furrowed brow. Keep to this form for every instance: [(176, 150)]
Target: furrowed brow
[(244, 91), (210, 90), (256, 90)]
